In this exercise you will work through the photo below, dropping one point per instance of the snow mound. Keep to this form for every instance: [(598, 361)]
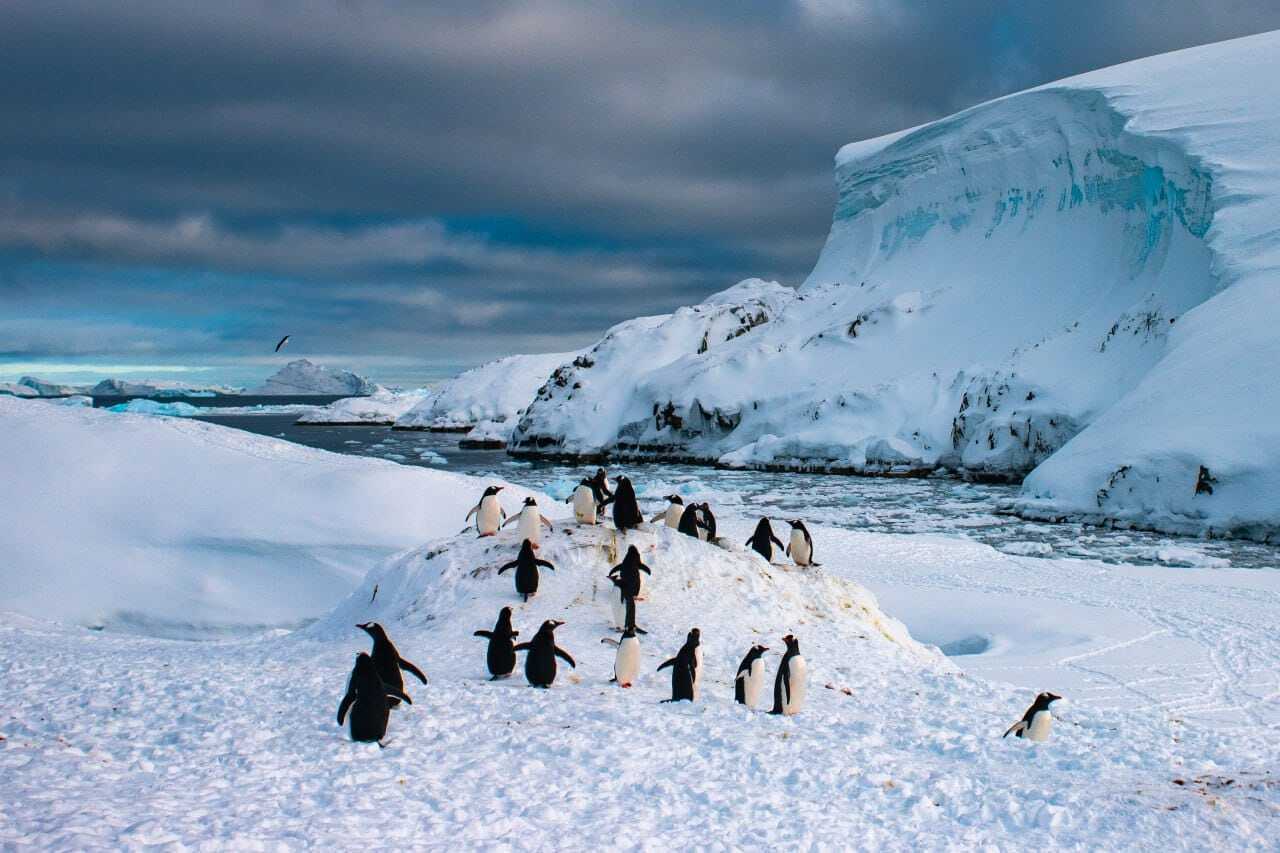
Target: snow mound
[(488, 434), (16, 389), (611, 398), (157, 388), (496, 391), (382, 408), (303, 377), (179, 527)]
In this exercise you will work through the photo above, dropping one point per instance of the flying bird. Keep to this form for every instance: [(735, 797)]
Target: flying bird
[(283, 341)]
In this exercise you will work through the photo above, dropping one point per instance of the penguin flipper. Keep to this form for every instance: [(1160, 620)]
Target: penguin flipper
[(509, 520), (488, 635), (510, 565), (345, 705), (611, 641), (546, 521), (645, 569), (522, 647), (666, 664), (545, 564), (474, 510), (788, 550), (410, 668), (1016, 729), (568, 658), (397, 693)]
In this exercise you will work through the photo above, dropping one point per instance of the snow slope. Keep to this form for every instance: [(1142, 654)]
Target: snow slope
[(496, 391), (383, 407), (1079, 277), (172, 526), (304, 377)]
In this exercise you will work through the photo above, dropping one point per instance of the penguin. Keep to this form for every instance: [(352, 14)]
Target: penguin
[(684, 669), (626, 664), (750, 678), (530, 521), (526, 566), (800, 548), (763, 540), (600, 484), (1035, 724), (540, 662), (367, 700), (388, 660), (708, 523), (629, 572), (618, 599), (673, 513), (791, 681), (626, 512), (501, 656), (690, 524), (585, 503), (489, 512)]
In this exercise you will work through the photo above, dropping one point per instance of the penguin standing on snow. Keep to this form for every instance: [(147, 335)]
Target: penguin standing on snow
[(789, 686), (600, 484), (489, 512), (530, 521), (586, 502), (684, 669), (367, 699), (388, 661), (628, 571), (763, 540), (800, 548), (672, 514), (526, 566), (749, 681), (708, 522), (690, 524), (626, 664), (626, 512), (540, 662), (1035, 724), (501, 656)]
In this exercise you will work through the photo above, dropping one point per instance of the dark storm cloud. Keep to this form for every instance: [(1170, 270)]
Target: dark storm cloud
[(414, 177)]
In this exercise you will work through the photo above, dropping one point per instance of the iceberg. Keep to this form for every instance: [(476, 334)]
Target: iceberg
[(302, 377)]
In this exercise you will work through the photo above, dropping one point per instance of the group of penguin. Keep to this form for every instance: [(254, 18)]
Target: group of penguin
[(376, 684)]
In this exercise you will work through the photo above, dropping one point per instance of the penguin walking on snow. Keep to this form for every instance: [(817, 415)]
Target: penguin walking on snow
[(763, 540), (526, 566), (790, 685), (501, 656), (530, 522), (626, 664), (1035, 724), (690, 523), (540, 662), (684, 669), (708, 522), (489, 513), (388, 661), (586, 502), (749, 682), (626, 512), (367, 699), (672, 514), (629, 572), (800, 548)]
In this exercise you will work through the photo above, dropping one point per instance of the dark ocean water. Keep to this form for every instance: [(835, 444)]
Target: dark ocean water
[(933, 505), (219, 402)]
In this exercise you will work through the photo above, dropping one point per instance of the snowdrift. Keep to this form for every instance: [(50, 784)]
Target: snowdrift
[(382, 407), (1078, 280), (172, 526), (301, 376), (496, 391)]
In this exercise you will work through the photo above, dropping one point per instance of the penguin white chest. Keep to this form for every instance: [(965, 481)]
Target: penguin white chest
[(619, 607), (674, 511), (626, 666), (584, 505), (797, 683), (800, 550), (753, 683), (1041, 722), (489, 518), (529, 526)]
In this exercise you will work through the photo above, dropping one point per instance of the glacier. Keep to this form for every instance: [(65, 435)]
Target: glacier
[(1071, 286)]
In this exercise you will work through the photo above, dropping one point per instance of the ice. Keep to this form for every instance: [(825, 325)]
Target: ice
[(382, 407), (496, 393), (142, 406), (301, 376)]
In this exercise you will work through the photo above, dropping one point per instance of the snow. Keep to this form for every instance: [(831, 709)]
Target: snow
[(301, 377), (1074, 284), (141, 406), (382, 407), (45, 388), (178, 527), (156, 388), (496, 391), (492, 434), (14, 389)]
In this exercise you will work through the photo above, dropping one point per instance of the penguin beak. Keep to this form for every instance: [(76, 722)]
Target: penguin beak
[(363, 626), (556, 622), (1054, 697)]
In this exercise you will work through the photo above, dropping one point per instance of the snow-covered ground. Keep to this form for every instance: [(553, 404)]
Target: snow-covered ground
[(495, 392), (383, 406), (302, 376), (1081, 277)]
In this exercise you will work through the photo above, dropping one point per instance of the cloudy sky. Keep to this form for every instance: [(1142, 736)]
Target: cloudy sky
[(412, 187)]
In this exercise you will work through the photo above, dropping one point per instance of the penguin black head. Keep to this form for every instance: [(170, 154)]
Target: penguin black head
[(763, 527), (530, 502), (793, 645), (1043, 700), (695, 636), (373, 629), (504, 616), (676, 499), (600, 474), (796, 524), (492, 490), (526, 548), (364, 662)]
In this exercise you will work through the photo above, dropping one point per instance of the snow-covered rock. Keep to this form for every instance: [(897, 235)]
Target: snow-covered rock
[(496, 391), (613, 397), (1078, 280), (492, 435), (175, 526), (382, 407), (158, 388), (45, 388), (301, 377)]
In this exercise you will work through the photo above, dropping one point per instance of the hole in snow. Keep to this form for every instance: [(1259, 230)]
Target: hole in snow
[(975, 644)]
